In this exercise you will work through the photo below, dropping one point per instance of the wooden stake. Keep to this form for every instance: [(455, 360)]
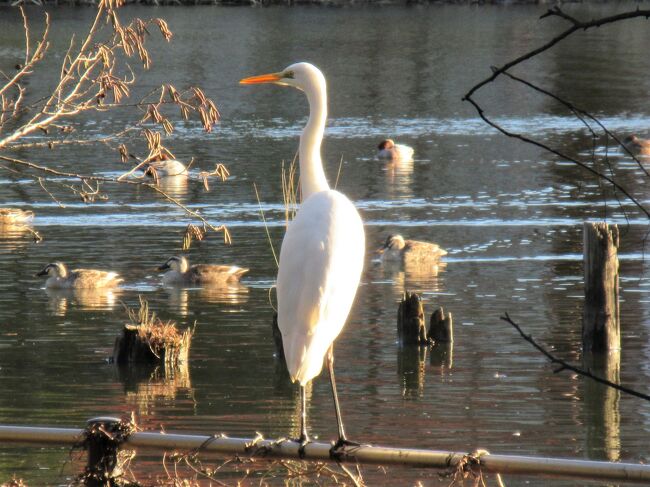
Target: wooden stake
[(410, 321), (600, 324), (441, 327)]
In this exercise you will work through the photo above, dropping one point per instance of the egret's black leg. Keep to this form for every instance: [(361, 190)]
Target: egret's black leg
[(335, 451), (304, 437)]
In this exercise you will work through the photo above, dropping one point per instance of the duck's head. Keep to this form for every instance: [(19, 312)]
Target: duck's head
[(386, 144), (303, 76), (55, 269), (393, 242), (177, 263)]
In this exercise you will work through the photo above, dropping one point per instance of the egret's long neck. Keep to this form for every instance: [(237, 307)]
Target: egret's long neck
[(312, 176)]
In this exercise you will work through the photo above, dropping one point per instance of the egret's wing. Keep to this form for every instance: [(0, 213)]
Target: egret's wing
[(320, 265)]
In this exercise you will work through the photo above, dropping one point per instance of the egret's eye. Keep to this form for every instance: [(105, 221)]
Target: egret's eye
[(288, 74)]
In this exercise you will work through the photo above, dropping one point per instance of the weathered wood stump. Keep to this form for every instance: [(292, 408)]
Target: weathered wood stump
[(148, 339), (441, 327), (601, 318), (410, 321)]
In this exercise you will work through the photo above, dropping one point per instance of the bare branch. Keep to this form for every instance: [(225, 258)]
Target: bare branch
[(566, 366)]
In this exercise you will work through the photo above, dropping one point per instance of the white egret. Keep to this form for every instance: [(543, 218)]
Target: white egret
[(388, 149), (322, 253)]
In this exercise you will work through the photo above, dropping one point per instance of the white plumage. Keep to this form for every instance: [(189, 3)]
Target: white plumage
[(322, 252)]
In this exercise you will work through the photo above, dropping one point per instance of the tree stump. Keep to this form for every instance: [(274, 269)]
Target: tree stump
[(157, 343), (410, 321), (441, 327), (601, 318)]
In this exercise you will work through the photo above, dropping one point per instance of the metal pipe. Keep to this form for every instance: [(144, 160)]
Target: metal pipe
[(364, 454)]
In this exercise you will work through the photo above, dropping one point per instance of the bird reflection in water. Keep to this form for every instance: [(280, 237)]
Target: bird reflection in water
[(83, 298), (175, 186), (226, 293), (399, 178), (418, 277)]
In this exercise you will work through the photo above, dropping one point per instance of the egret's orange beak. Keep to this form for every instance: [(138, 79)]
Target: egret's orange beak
[(262, 78)]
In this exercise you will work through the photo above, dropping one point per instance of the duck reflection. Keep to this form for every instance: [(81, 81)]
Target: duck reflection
[(175, 186), (227, 293), (419, 277), (82, 298), (399, 178)]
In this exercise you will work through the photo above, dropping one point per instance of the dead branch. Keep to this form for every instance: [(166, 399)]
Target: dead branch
[(563, 365), (582, 115)]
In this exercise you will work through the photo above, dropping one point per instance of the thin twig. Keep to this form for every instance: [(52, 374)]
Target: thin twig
[(566, 366)]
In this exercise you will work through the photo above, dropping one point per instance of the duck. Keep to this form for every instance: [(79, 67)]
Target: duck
[(388, 149), (636, 145), (13, 216), (163, 168), (180, 273), (61, 278), (396, 248)]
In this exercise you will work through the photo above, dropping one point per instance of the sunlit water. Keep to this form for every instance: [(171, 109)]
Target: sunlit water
[(510, 216)]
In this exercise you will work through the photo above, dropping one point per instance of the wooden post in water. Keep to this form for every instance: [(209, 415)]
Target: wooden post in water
[(600, 324), (441, 327), (410, 321)]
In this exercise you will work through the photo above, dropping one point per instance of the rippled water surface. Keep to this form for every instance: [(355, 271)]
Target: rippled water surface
[(509, 214)]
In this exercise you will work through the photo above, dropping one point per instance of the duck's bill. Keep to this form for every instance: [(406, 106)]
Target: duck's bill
[(262, 78), (163, 267), (41, 273)]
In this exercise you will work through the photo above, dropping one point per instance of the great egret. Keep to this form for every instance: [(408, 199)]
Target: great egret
[(61, 278), (387, 149), (179, 273), (637, 146), (396, 248), (322, 253)]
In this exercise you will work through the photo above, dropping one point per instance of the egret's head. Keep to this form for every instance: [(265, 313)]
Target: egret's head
[(303, 76), (55, 269), (176, 263)]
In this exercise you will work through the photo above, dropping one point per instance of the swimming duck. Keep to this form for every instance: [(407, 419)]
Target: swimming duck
[(396, 248), (12, 216), (61, 278), (636, 145), (163, 168), (180, 273), (388, 149)]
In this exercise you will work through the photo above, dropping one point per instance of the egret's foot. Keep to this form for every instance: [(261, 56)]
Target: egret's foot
[(303, 441), (337, 452)]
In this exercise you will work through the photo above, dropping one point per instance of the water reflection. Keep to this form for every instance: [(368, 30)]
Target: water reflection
[(16, 235), (178, 298), (411, 369), (60, 300), (147, 385), (175, 186), (419, 277)]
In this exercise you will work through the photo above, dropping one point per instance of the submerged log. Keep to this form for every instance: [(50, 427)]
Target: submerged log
[(601, 318), (441, 327), (410, 321)]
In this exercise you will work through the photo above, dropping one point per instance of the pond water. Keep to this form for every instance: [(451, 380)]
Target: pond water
[(509, 214)]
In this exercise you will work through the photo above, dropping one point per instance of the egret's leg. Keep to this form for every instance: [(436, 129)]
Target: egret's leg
[(330, 369), (336, 451), (304, 437)]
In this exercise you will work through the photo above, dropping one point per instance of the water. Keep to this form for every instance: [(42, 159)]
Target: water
[(509, 214)]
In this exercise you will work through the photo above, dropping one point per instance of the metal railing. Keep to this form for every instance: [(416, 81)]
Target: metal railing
[(363, 454)]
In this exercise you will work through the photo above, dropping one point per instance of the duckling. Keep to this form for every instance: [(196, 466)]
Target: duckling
[(396, 248), (181, 274), (637, 146), (163, 168), (13, 216), (388, 149), (61, 278)]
